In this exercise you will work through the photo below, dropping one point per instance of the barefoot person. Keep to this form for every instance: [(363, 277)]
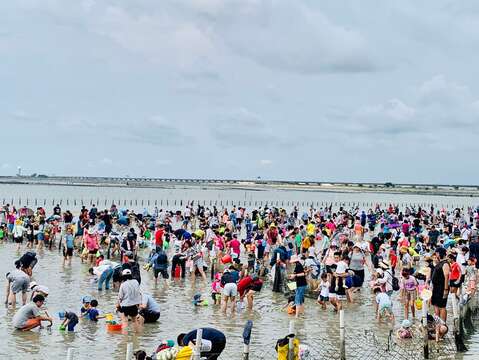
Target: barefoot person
[(129, 299), (28, 316), (17, 281)]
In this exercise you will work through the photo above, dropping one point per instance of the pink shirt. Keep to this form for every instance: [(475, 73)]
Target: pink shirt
[(235, 246)]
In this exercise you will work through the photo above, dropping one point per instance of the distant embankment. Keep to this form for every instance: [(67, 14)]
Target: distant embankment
[(426, 189)]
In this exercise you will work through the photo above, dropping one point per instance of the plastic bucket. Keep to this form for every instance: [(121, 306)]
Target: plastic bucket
[(226, 259), (113, 327)]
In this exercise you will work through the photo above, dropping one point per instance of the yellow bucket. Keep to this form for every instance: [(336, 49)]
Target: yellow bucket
[(108, 317)]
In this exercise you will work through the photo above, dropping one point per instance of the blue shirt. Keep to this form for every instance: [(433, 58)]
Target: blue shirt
[(93, 314), (69, 241), (151, 304)]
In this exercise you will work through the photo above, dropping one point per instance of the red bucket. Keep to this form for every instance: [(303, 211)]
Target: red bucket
[(226, 259)]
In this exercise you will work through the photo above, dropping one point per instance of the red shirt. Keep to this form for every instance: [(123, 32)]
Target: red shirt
[(159, 237), (243, 284), (455, 271)]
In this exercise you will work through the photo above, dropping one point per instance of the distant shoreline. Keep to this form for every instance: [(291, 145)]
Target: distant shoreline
[(387, 188)]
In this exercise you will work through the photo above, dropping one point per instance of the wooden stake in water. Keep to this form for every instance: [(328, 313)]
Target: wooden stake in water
[(342, 341), (129, 351), (197, 349), (291, 340), (247, 339), (425, 333)]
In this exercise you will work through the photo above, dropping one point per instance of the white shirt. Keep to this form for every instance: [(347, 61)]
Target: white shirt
[(324, 288), (382, 299), (341, 267)]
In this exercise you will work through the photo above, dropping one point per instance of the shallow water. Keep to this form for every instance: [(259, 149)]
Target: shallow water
[(68, 285)]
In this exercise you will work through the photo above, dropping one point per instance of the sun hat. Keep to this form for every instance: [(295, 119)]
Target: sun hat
[(406, 323)]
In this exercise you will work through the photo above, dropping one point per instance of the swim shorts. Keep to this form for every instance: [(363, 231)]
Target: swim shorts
[(230, 289), (129, 310), (20, 284), (163, 272)]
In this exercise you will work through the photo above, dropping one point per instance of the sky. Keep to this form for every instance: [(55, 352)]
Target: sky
[(380, 91)]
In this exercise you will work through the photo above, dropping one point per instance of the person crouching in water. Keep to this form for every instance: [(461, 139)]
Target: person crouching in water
[(247, 287), (28, 316)]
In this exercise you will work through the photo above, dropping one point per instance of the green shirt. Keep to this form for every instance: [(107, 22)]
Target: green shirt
[(298, 239)]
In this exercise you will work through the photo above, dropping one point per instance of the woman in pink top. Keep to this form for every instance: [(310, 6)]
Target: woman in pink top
[(219, 246), (235, 246), (90, 242), (408, 287)]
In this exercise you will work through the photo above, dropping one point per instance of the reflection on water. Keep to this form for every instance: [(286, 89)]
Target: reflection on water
[(139, 198)]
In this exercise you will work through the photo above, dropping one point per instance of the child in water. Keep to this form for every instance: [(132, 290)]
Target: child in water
[(68, 246), (290, 306), (199, 301), (92, 313), (70, 320), (216, 289), (324, 285), (384, 305), (405, 331), (86, 300)]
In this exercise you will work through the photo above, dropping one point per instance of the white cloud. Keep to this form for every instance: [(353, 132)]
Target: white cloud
[(106, 161), (265, 162), (291, 37), (393, 109), (439, 91)]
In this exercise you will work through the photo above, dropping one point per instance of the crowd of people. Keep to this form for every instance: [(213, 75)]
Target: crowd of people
[(412, 255)]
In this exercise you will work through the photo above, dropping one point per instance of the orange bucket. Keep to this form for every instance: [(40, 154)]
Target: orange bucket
[(113, 327), (226, 259)]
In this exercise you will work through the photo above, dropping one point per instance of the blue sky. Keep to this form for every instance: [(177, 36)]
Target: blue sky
[(316, 90)]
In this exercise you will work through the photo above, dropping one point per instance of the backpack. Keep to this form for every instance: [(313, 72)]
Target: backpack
[(395, 283)]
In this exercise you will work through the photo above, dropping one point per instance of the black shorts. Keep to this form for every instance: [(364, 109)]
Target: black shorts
[(67, 252), (438, 300), (455, 283), (18, 240), (92, 252), (149, 316), (163, 272), (129, 310)]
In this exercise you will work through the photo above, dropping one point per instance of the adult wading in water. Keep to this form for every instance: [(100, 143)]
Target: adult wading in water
[(440, 284)]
